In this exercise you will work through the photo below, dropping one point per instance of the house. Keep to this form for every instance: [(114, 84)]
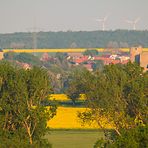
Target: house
[(75, 55), (45, 57), (81, 59)]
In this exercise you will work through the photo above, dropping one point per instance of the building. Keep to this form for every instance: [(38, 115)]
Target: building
[(139, 56)]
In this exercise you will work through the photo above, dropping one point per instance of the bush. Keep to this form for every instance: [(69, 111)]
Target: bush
[(131, 138)]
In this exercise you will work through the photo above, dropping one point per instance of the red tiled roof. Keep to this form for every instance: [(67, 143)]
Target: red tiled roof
[(81, 59), (99, 58), (106, 60), (75, 54)]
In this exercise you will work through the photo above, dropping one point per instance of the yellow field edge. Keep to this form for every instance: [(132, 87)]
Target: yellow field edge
[(66, 118), (64, 50), (63, 97)]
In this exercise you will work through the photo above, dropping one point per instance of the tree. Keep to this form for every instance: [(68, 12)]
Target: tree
[(118, 93), (62, 60), (73, 45), (91, 52), (135, 137), (23, 118), (28, 58), (9, 55), (76, 83), (83, 39), (98, 65), (113, 45)]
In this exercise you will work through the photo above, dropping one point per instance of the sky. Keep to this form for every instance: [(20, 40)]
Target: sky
[(71, 15)]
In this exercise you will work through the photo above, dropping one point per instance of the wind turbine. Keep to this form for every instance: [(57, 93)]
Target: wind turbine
[(103, 20), (134, 22)]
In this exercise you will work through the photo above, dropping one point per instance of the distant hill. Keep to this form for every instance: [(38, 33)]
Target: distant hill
[(81, 39)]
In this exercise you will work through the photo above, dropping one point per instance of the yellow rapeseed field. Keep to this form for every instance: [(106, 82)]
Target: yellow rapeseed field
[(58, 97), (63, 97), (66, 118), (46, 50), (63, 50)]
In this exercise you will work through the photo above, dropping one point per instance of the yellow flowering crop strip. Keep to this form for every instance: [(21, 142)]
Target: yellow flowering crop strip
[(63, 97), (48, 50), (58, 97), (64, 50), (66, 118)]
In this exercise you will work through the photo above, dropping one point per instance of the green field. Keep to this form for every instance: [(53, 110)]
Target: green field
[(73, 138)]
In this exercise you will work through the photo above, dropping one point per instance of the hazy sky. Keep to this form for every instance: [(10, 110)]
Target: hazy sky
[(75, 15)]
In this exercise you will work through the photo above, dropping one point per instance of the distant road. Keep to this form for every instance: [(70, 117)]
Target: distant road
[(64, 50)]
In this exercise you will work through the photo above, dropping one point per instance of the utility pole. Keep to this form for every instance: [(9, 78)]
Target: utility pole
[(34, 36), (34, 31)]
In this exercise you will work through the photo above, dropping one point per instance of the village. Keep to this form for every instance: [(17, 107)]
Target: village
[(90, 60)]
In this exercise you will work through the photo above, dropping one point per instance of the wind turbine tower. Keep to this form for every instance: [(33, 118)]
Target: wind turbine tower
[(133, 23), (103, 20)]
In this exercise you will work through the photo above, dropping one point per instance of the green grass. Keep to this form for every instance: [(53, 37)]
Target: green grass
[(74, 138)]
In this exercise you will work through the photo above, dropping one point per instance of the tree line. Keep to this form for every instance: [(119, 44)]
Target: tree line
[(80, 39)]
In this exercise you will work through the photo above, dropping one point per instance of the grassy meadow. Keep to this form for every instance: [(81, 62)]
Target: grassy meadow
[(67, 131), (73, 138)]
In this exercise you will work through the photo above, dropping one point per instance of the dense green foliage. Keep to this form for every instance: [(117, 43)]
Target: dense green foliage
[(137, 138), (119, 93), (75, 83), (57, 66), (98, 65), (28, 58), (23, 118), (91, 52), (23, 58), (134, 137), (83, 39)]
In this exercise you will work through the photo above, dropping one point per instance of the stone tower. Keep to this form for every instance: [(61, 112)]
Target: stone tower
[(140, 57), (135, 54)]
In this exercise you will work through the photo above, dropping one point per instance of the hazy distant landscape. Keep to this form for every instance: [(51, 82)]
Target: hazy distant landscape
[(71, 39), (73, 74)]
